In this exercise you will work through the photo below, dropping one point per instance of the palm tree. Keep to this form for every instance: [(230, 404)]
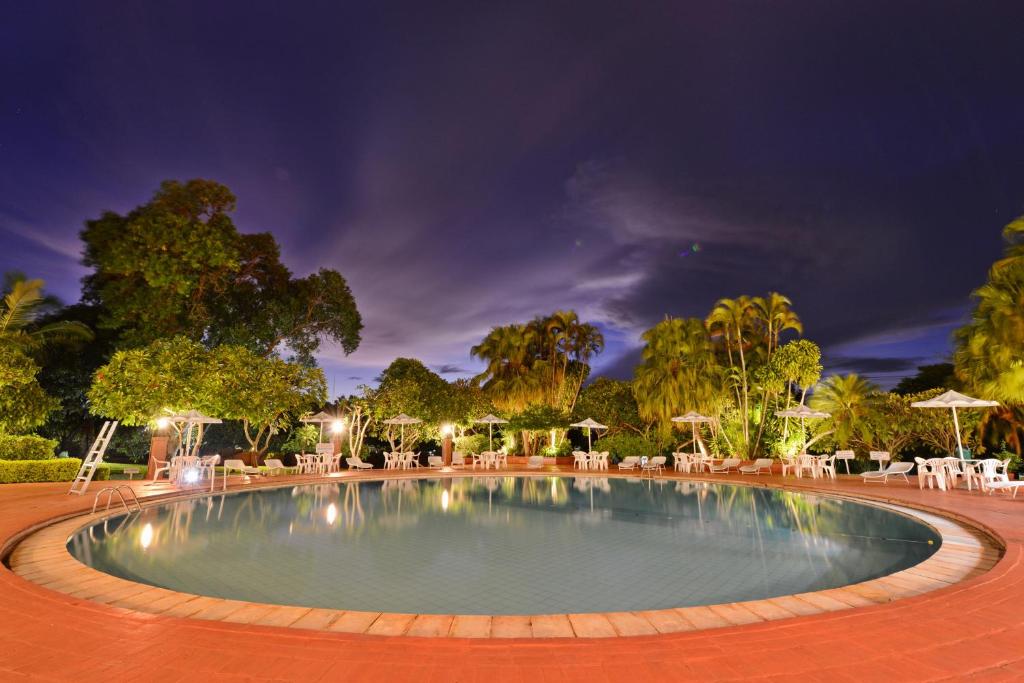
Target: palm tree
[(514, 377), (679, 370), (730, 320), (777, 316), (24, 305), (847, 399)]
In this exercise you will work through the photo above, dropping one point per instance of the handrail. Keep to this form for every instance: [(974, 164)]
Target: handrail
[(110, 491)]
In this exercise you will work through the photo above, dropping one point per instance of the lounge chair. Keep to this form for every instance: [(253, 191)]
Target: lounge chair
[(435, 461), (630, 462), (357, 464), (896, 469), (275, 466), (725, 466), (535, 462), (655, 464), (759, 464), (458, 459), (240, 467)]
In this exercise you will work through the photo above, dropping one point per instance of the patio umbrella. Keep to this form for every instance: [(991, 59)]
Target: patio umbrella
[(490, 420), (803, 412), (589, 424), (954, 400), (694, 418), (401, 420), (189, 420), (321, 419)]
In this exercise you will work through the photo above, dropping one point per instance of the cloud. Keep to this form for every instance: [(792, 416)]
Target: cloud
[(868, 365), (449, 369)]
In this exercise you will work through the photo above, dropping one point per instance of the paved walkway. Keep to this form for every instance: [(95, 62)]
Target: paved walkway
[(974, 629)]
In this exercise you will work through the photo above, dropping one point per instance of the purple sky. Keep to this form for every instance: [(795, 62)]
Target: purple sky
[(467, 165)]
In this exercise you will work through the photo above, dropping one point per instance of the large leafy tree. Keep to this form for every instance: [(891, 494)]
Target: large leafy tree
[(265, 394), (989, 357), (178, 266), (611, 402), (408, 386)]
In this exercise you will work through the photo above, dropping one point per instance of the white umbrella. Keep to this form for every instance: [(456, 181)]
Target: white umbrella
[(589, 424), (490, 420), (694, 418), (803, 412), (401, 420), (321, 419), (954, 400)]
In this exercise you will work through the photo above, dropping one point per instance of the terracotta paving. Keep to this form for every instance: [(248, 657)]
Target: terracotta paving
[(970, 629)]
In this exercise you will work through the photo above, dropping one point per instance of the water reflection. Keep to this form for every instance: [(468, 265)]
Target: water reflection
[(375, 545)]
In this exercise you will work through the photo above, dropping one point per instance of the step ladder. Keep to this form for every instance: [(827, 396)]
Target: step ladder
[(93, 458)]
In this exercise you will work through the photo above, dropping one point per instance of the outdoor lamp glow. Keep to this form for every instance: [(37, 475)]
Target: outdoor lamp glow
[(337, 425), (447, 430), (162, 423)]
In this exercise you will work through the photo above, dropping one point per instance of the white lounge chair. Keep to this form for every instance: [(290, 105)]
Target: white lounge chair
[(357, 464), (458, 459), (630, 462), (535, 462), (724, 466), (654, 465), (896, 469), (274, 466), (240, 467), (435, 461), (759, 464)]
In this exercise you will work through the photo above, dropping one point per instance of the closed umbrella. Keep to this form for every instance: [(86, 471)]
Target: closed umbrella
[(401, 420), (589, 424), (954, 400), (192, 422), (804, 413), (694, 418), (490, 420)]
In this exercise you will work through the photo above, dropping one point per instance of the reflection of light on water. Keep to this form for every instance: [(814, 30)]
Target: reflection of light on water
[(444, 500), (191, 476), (554, 488), (146, 539), (332, 513)]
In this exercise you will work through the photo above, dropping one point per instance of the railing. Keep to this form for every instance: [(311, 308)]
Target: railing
[(110, 491)]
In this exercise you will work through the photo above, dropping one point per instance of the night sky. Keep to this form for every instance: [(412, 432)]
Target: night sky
[(470, 165)]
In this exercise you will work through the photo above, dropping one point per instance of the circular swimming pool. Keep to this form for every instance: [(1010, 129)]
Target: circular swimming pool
[(506, 545)]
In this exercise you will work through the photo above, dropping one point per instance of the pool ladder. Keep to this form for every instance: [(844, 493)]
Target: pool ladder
[(110, 491)]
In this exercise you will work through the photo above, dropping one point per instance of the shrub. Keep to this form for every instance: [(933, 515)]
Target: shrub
[(26, 447), (621, 445), (54, 469), (474, 443)]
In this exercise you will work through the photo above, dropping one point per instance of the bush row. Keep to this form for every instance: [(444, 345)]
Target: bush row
[(26, 447), (54, 469)]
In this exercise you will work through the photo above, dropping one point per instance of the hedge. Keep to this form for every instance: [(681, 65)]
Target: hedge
[(55, 469), (26, 447)]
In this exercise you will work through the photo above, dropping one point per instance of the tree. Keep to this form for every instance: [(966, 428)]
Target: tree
[(24, 404), (408, 386), (729, 321), (933, 427), (612, 402), (265, 394), (679, 372), (535, 423), (177, 266), (21, 315), (989, 358), (775, 313), (167, 376), (936, 376), (847, 399), (545, 361), (466, 402)]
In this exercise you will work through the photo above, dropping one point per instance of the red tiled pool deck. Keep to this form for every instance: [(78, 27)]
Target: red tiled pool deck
[(973, 629)]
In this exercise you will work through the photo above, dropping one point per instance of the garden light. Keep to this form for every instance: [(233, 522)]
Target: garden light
[(337, 426)]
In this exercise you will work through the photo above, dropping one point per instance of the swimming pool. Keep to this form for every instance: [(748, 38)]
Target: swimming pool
[(506, 545)]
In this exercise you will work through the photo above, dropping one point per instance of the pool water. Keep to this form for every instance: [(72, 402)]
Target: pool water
[(506, 545)]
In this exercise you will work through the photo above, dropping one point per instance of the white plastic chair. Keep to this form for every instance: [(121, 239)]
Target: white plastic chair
[(827, 466), (930, 472), (435, 461)]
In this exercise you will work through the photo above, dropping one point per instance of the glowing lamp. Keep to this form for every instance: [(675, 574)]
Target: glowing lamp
[(190, 476), (447, 430), (162, 423), (338, 425)]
